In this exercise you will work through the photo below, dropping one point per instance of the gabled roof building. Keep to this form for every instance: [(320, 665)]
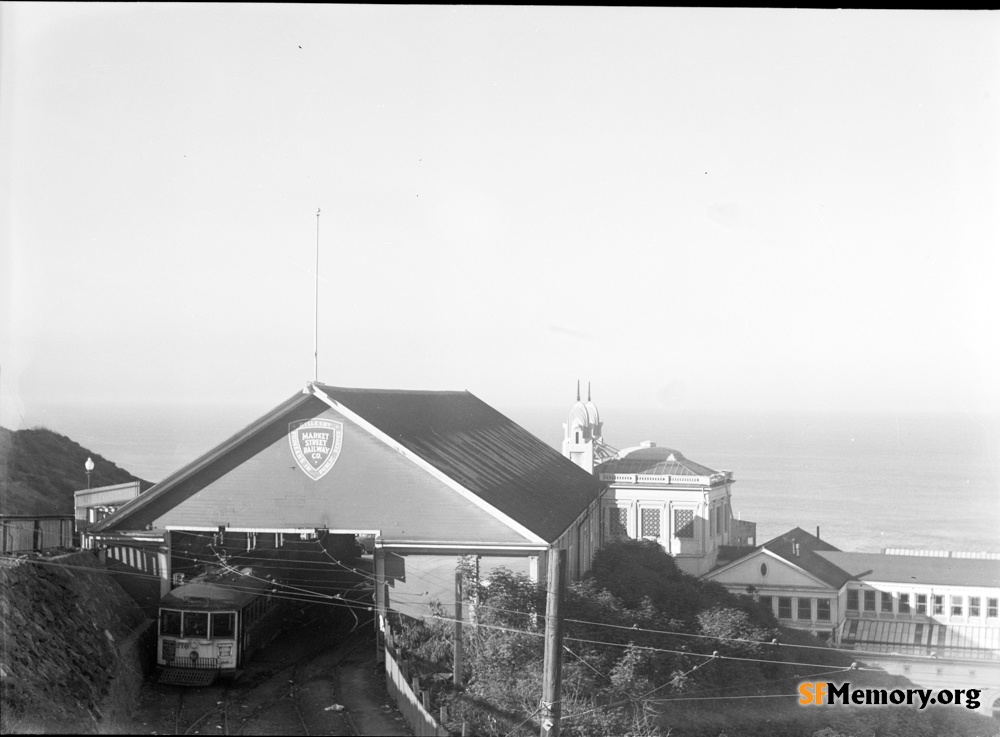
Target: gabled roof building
[(431, 475)]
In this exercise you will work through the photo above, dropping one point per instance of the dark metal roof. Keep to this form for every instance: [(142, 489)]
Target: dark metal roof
[(655, 461), (484, 451), (455, 432), (836, 567), (808, 557)]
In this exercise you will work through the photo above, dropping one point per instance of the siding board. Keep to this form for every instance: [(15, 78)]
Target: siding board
[(369, 487)]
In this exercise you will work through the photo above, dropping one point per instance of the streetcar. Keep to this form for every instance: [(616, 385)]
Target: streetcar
[(210, 625)]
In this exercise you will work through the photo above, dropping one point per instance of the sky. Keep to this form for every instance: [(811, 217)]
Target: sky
[(689, 208)]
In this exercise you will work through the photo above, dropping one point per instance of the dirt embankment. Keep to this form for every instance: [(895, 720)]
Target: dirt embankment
[(71, 645)]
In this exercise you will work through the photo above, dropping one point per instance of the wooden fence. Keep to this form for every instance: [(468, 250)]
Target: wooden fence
[(412, 701), (22, 533)]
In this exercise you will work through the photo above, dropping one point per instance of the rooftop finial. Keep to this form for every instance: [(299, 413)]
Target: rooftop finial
[(588, 391), (578, 390)]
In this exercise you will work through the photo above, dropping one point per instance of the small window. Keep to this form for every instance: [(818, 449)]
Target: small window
[(784, 607), (904, 604), (973, 606), (957, 606), (991, 608), (887, 602), (852, 600), (804, 608), (869, 601), (223, 624), (921, 603), (684, 523), (170, 623), (763, 569), (196, 624), (938, 604), (823, 609)]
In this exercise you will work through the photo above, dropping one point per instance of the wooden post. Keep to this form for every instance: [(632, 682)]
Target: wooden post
[(381, 603), (552, 674), (457, 678), (164, 553)]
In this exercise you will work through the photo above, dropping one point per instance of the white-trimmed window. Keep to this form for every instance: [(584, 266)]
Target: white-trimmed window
[(938, 601), (887, 602), (784, 607), (823, 610), (991, 608), (869, 600), (974, 606), (957, 606)]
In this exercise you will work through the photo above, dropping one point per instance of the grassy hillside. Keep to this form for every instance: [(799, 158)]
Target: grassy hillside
[(40, 470)]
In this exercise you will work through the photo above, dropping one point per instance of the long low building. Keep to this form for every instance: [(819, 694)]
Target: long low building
[(878, 602)]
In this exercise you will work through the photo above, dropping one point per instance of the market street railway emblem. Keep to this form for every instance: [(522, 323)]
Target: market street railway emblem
[(315, 445)]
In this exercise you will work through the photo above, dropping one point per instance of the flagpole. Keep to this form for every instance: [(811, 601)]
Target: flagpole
[(316, 320)]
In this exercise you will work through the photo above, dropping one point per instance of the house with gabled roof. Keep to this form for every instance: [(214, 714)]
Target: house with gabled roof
[(791, 577), (431, 476)]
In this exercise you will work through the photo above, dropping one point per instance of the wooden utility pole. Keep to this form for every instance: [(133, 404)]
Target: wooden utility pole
[(457, 678), (552, 675)]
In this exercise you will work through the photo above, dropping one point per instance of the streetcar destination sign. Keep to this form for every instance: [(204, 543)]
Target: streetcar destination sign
[(315, 445)]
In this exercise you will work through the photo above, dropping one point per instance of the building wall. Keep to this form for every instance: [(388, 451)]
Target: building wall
[(711, 523), (776, 579), (581, 541), (370, 487), (988, 616)]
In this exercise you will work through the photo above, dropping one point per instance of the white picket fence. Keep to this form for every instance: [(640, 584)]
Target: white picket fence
[(412, 701)]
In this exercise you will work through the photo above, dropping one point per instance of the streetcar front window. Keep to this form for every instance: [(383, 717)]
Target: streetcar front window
[(223, 624), (170, 622), (196, 624)]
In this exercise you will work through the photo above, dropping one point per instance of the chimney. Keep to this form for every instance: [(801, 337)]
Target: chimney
[(817, 532)]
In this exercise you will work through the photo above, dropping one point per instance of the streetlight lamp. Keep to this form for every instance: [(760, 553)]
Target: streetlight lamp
[(89, 466)]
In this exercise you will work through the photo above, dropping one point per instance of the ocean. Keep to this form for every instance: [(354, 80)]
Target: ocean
[(867, 480)]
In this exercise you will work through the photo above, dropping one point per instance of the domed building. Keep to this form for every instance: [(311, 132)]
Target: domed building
[(656, 493)]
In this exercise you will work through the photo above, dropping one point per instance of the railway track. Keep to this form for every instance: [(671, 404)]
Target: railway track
[(196, 701), (292, 686), (289, 699)]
